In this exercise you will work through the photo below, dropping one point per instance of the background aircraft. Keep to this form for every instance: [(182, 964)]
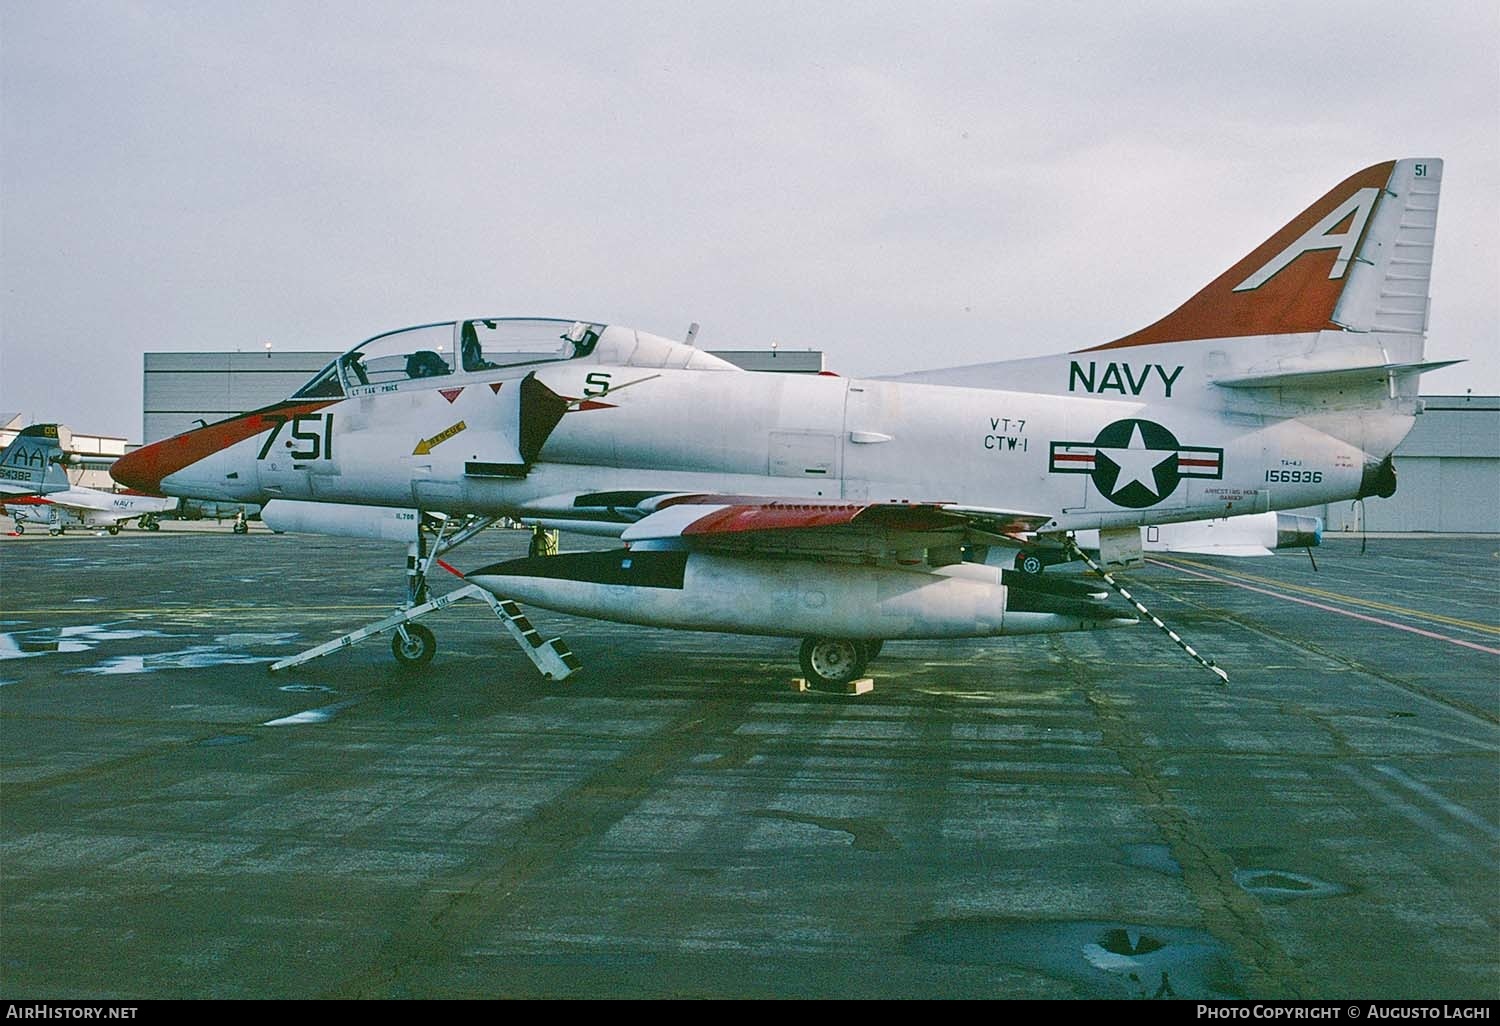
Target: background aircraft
[(86, 508), (838, 509), (35, 489)]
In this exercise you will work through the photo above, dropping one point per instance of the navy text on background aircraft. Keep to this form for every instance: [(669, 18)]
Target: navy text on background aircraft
[(848, 511), (34, 488)]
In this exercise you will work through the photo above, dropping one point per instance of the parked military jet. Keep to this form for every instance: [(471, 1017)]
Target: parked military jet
[(87, 508), (35, 490), (839, 510)]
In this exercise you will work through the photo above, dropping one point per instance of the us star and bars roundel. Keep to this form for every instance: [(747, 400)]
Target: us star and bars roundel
[(1136, 463)]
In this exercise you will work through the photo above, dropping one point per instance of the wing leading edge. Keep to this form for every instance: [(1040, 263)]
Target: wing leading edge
[(742, 524)]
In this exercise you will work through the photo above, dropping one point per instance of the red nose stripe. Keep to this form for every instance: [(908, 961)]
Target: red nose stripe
[(145, 468)]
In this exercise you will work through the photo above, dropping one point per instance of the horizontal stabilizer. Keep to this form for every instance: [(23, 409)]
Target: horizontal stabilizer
[(1330, 377)]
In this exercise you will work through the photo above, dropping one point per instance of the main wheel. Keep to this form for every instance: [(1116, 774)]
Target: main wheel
[(20, 527), (113, 528), (872, 649), (54, 531), (240, 527), (155, 525), (417, 648), (833, 661)]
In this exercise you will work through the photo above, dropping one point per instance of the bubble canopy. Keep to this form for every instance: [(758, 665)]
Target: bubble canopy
[(451, 348)]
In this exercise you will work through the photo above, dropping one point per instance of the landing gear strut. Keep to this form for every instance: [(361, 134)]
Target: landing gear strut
[(414, 645)]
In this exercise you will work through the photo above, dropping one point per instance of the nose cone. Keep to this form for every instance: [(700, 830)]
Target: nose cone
[(180, 465), (143, 469)]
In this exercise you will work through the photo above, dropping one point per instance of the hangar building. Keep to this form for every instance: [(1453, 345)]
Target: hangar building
[(1447, 474)]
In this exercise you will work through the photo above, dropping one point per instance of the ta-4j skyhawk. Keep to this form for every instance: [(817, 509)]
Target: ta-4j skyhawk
[(849, 511)]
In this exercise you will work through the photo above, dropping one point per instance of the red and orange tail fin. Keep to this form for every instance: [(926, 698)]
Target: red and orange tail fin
[(1358, 259)]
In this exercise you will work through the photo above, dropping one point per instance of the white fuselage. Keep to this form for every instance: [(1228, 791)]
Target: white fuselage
[(807, 436)]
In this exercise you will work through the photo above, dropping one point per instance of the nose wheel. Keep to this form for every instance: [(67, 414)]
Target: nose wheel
[(413, 645)]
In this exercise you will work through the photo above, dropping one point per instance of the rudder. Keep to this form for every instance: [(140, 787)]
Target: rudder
[(33, 463)]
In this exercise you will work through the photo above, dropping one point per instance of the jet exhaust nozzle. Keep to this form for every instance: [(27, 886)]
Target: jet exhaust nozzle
[(1378, 479)]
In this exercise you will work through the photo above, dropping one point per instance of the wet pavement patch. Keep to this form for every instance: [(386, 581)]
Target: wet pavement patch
[(45, 640), (255, 638), (194, 657), (864, 833), (226, 739), (1100, 959), (297, 689), (1155, 857), (1281, 885), (322, 714)]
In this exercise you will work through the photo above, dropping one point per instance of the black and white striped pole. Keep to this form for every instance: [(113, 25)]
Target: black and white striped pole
[(1208, 664)]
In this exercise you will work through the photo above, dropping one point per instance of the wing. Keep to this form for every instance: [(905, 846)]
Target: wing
[(82, 500), (903, 531)]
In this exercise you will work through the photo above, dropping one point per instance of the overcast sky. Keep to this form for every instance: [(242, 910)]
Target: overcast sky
[(903, 185)]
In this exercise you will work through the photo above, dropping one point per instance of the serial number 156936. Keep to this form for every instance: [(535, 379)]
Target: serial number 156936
[(1295, 476)]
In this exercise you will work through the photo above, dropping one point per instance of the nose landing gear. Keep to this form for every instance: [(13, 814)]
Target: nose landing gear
[(414, 645)]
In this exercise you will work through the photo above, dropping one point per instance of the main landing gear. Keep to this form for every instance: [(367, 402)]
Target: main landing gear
[(414, 645), (834, 662)]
